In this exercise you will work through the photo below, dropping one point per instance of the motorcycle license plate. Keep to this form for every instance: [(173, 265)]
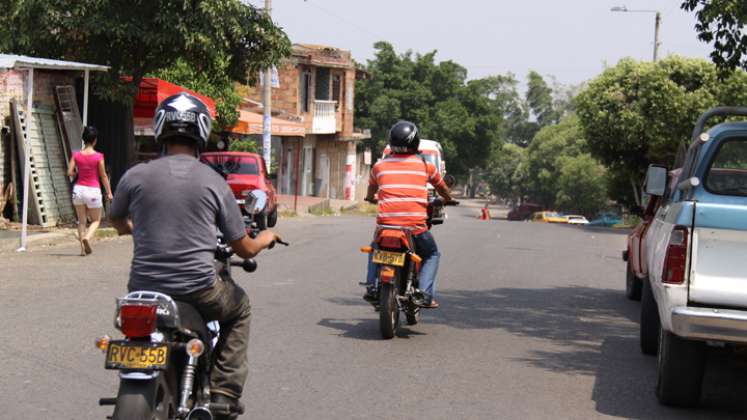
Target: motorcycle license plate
[(137, 355), (389, 258)]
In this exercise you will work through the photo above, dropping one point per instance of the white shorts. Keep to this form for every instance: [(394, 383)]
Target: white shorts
[(87, 196)]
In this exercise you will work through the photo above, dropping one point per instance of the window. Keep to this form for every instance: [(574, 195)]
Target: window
[(304, 86), (727, 174), (234, 165), (336, 90), (322, 84)]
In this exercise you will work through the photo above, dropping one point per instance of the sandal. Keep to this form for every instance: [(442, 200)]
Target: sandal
[(431, 305), (82, 249), (87, 246)]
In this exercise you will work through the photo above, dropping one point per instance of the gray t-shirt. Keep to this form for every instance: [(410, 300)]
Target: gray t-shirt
[(176, 203)]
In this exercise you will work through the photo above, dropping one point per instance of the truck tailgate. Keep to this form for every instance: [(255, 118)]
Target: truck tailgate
[(718, 269)]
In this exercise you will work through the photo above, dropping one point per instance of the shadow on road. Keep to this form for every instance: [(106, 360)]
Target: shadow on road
[(595, 332)]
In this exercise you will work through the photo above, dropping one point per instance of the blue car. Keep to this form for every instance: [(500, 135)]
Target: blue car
[(606, 219)]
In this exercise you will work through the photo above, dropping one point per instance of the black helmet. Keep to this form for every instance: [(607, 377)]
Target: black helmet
[(404, 137), (182, 115)]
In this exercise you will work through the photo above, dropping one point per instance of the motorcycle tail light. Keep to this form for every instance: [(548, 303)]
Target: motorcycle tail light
[(386, 274), (391, 242), (137, 320), (675, 262)]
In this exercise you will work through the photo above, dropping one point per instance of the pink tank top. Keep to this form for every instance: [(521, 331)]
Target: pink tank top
[(88, 168)]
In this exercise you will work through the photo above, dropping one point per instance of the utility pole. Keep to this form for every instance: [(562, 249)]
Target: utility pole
[(267, 105), (656, 36)]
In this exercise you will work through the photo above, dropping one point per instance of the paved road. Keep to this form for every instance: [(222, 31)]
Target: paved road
[(533, 325)]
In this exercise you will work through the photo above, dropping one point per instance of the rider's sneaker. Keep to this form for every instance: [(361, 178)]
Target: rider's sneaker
[(372, 295)]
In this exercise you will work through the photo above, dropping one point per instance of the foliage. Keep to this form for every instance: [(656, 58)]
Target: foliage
[(140, 37), (214, 83), (580, 186), (466, 117), (722, 23), (243, 145), (543, 156), (540, 100), (504, 164), (638, 113)]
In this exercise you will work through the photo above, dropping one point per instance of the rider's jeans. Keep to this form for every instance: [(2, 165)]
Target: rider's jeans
[(227, 303), (426, 248)]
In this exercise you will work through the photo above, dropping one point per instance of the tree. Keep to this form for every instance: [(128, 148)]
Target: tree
[(722, 22), (503, 174), (468, 118), (543, 156), (581, 185), (141, 37), (243, 145), (638, 113), (540, 99)]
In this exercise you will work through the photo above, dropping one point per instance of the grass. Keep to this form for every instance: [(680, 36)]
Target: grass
[(360, 209)]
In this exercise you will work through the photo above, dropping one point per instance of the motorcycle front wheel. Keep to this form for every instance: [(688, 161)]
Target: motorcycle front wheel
[(389, 311)]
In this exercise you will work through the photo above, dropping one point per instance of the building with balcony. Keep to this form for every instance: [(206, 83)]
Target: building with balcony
[(316, 88)]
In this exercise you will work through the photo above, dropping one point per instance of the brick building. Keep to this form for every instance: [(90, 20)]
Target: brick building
[(316, 88)]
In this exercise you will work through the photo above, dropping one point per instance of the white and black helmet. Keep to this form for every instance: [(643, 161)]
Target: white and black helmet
[(404, 137), (183, 115)]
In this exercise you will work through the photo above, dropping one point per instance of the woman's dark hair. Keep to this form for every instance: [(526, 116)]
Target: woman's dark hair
[(89, 134)]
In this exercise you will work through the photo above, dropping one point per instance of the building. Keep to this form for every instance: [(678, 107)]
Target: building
[(315, 88)]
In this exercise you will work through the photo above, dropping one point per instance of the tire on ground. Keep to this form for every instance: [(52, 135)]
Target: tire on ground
[(650, 322), (272, 218), (633, 284), (680, 370)]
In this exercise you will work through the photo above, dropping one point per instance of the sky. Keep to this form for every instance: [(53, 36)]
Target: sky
[(570, 40)]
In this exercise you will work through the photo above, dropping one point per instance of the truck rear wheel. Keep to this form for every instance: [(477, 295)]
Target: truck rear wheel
[(650, 322), (633, 284), (680, 370)]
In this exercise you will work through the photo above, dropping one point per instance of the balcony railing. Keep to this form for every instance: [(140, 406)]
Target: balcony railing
[(325, 117)]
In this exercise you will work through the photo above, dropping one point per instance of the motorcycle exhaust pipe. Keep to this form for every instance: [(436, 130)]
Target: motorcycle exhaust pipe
[(200, 413)]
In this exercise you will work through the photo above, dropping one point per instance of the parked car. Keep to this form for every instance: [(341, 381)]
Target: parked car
[(246, 172), (548, 217), (524, 211), (606, 219), (695, 294), (635, 253), (574, 219)]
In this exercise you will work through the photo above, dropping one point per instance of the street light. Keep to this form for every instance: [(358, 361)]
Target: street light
[(624, 9)]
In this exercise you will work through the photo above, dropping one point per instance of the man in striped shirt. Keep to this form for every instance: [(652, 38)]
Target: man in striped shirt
[(401, 181)]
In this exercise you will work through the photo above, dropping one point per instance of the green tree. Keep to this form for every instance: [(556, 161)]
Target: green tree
[(468, 118), (722, 23), (543, 156), (243, 145), (142, 37), (540, 99), (637, 113), (503, 173), (581, 185)]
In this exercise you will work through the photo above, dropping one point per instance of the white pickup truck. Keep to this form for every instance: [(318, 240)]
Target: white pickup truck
[(696, 292)]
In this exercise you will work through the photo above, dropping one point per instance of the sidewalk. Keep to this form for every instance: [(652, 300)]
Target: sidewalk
[(10, 239), (286, 202)]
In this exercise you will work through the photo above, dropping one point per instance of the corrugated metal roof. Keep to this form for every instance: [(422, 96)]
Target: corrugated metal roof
[(10, 61)]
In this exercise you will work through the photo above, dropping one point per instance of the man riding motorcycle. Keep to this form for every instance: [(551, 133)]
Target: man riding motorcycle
[(401, 180), (174, 206)]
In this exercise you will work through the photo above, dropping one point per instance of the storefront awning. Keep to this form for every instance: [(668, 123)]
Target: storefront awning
[(153, 91), (251, 123)]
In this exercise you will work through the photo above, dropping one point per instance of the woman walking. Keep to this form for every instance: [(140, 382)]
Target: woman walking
[(89, 166)]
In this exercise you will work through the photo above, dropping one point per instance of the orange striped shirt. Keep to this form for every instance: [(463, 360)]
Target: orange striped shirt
[(403, 193)]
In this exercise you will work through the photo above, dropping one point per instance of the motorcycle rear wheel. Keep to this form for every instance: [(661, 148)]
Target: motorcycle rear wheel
[(389, 311), (143, 399)]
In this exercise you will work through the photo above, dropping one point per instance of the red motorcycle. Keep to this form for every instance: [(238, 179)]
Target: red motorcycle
[(398, 265)]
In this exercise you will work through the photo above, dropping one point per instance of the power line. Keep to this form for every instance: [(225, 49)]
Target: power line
[(343, 19)]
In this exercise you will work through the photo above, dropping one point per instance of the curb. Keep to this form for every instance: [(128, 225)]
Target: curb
[(52, 238)]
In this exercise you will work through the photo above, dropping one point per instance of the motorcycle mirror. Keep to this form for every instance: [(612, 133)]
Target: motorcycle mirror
[(249, 265), (449, 180)]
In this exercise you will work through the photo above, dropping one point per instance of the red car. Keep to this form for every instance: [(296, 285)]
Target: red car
[(635, 254), (247, 172)]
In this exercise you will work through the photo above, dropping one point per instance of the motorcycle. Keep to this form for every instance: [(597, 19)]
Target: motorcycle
[(165, 357), (398, 265)]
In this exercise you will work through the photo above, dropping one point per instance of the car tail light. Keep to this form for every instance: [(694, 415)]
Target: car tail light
[(137, 320), (675, 262)]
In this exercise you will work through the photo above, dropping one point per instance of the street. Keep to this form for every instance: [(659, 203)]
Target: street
[(533, 324)]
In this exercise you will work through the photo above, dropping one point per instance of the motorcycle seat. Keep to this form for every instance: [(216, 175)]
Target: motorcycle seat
[(191, 319)]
